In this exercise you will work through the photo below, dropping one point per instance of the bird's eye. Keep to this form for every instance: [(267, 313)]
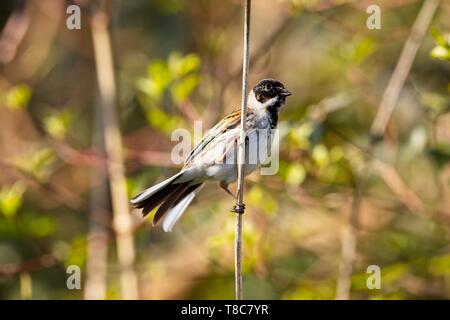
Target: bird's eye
[(267, 87)]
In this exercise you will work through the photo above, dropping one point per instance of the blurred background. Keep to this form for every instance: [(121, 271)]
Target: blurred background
[(86, 117)]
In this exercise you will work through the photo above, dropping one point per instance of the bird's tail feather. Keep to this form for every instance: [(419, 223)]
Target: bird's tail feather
[(179, 206), (172, 198), (152, 197), (169, 202)]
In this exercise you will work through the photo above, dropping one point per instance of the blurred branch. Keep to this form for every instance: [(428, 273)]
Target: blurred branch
[(58, 192), (113, 144), (98, 237), (44, 261), (320, 110), (14, 31), (77, 157), (262, 49), (95, 158), (146, 157), (35, 41), (348, 248), (402, 69), (379, 125), (214, 114), (398, 186), (395, 182)]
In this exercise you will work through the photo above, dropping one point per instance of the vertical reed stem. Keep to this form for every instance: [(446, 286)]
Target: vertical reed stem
[(114, 151), (239, 209)]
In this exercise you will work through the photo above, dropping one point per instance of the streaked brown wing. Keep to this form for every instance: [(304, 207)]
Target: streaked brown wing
[(229, 122)]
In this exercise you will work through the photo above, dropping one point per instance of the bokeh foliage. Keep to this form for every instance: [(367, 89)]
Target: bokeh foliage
[(177, 62)]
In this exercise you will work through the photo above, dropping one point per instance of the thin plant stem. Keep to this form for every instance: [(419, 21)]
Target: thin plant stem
[(239, 209), (97, 241), (113, 145), (397, 81)]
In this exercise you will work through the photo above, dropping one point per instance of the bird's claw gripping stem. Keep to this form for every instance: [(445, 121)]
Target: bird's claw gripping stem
[(240, 209)]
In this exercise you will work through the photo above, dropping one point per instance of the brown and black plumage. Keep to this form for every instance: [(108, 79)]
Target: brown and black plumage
[(213, 157)]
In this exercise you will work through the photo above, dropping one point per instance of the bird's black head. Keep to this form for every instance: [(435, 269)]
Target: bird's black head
[(268, 89)]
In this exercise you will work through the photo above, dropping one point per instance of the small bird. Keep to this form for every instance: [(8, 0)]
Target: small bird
[(214, 157)]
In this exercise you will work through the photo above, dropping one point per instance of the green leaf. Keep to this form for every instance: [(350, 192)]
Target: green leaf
[(158, 119), (321, 155), (296, 174), (148, 87), (57, 123), (362, 50), (336, 154), (435, 103), (183, 89), (440, 52), (440, 39), (177, 74), (40, 226), (37, 163), (391, 274), (300, 135), (357, 50), (18, 97), (77, 252), (440, 265), (257, 197), (11, 199), (159, 77), (181, 66)]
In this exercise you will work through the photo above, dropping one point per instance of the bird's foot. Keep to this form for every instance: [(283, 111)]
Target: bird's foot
[(240, 209)]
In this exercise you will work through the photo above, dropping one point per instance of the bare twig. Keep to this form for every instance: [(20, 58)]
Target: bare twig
[(240, 208), (262, 49), (385, 110), (394, 181), (14, 31), (348, 248), (55, 191), (98, 237), (113, 144), (403, 67), (212, 115), (35, 264)]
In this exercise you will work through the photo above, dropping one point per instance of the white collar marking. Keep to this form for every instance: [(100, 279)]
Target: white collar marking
[(257, 106)]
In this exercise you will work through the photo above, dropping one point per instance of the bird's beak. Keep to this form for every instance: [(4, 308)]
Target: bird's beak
[(285, 92)]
